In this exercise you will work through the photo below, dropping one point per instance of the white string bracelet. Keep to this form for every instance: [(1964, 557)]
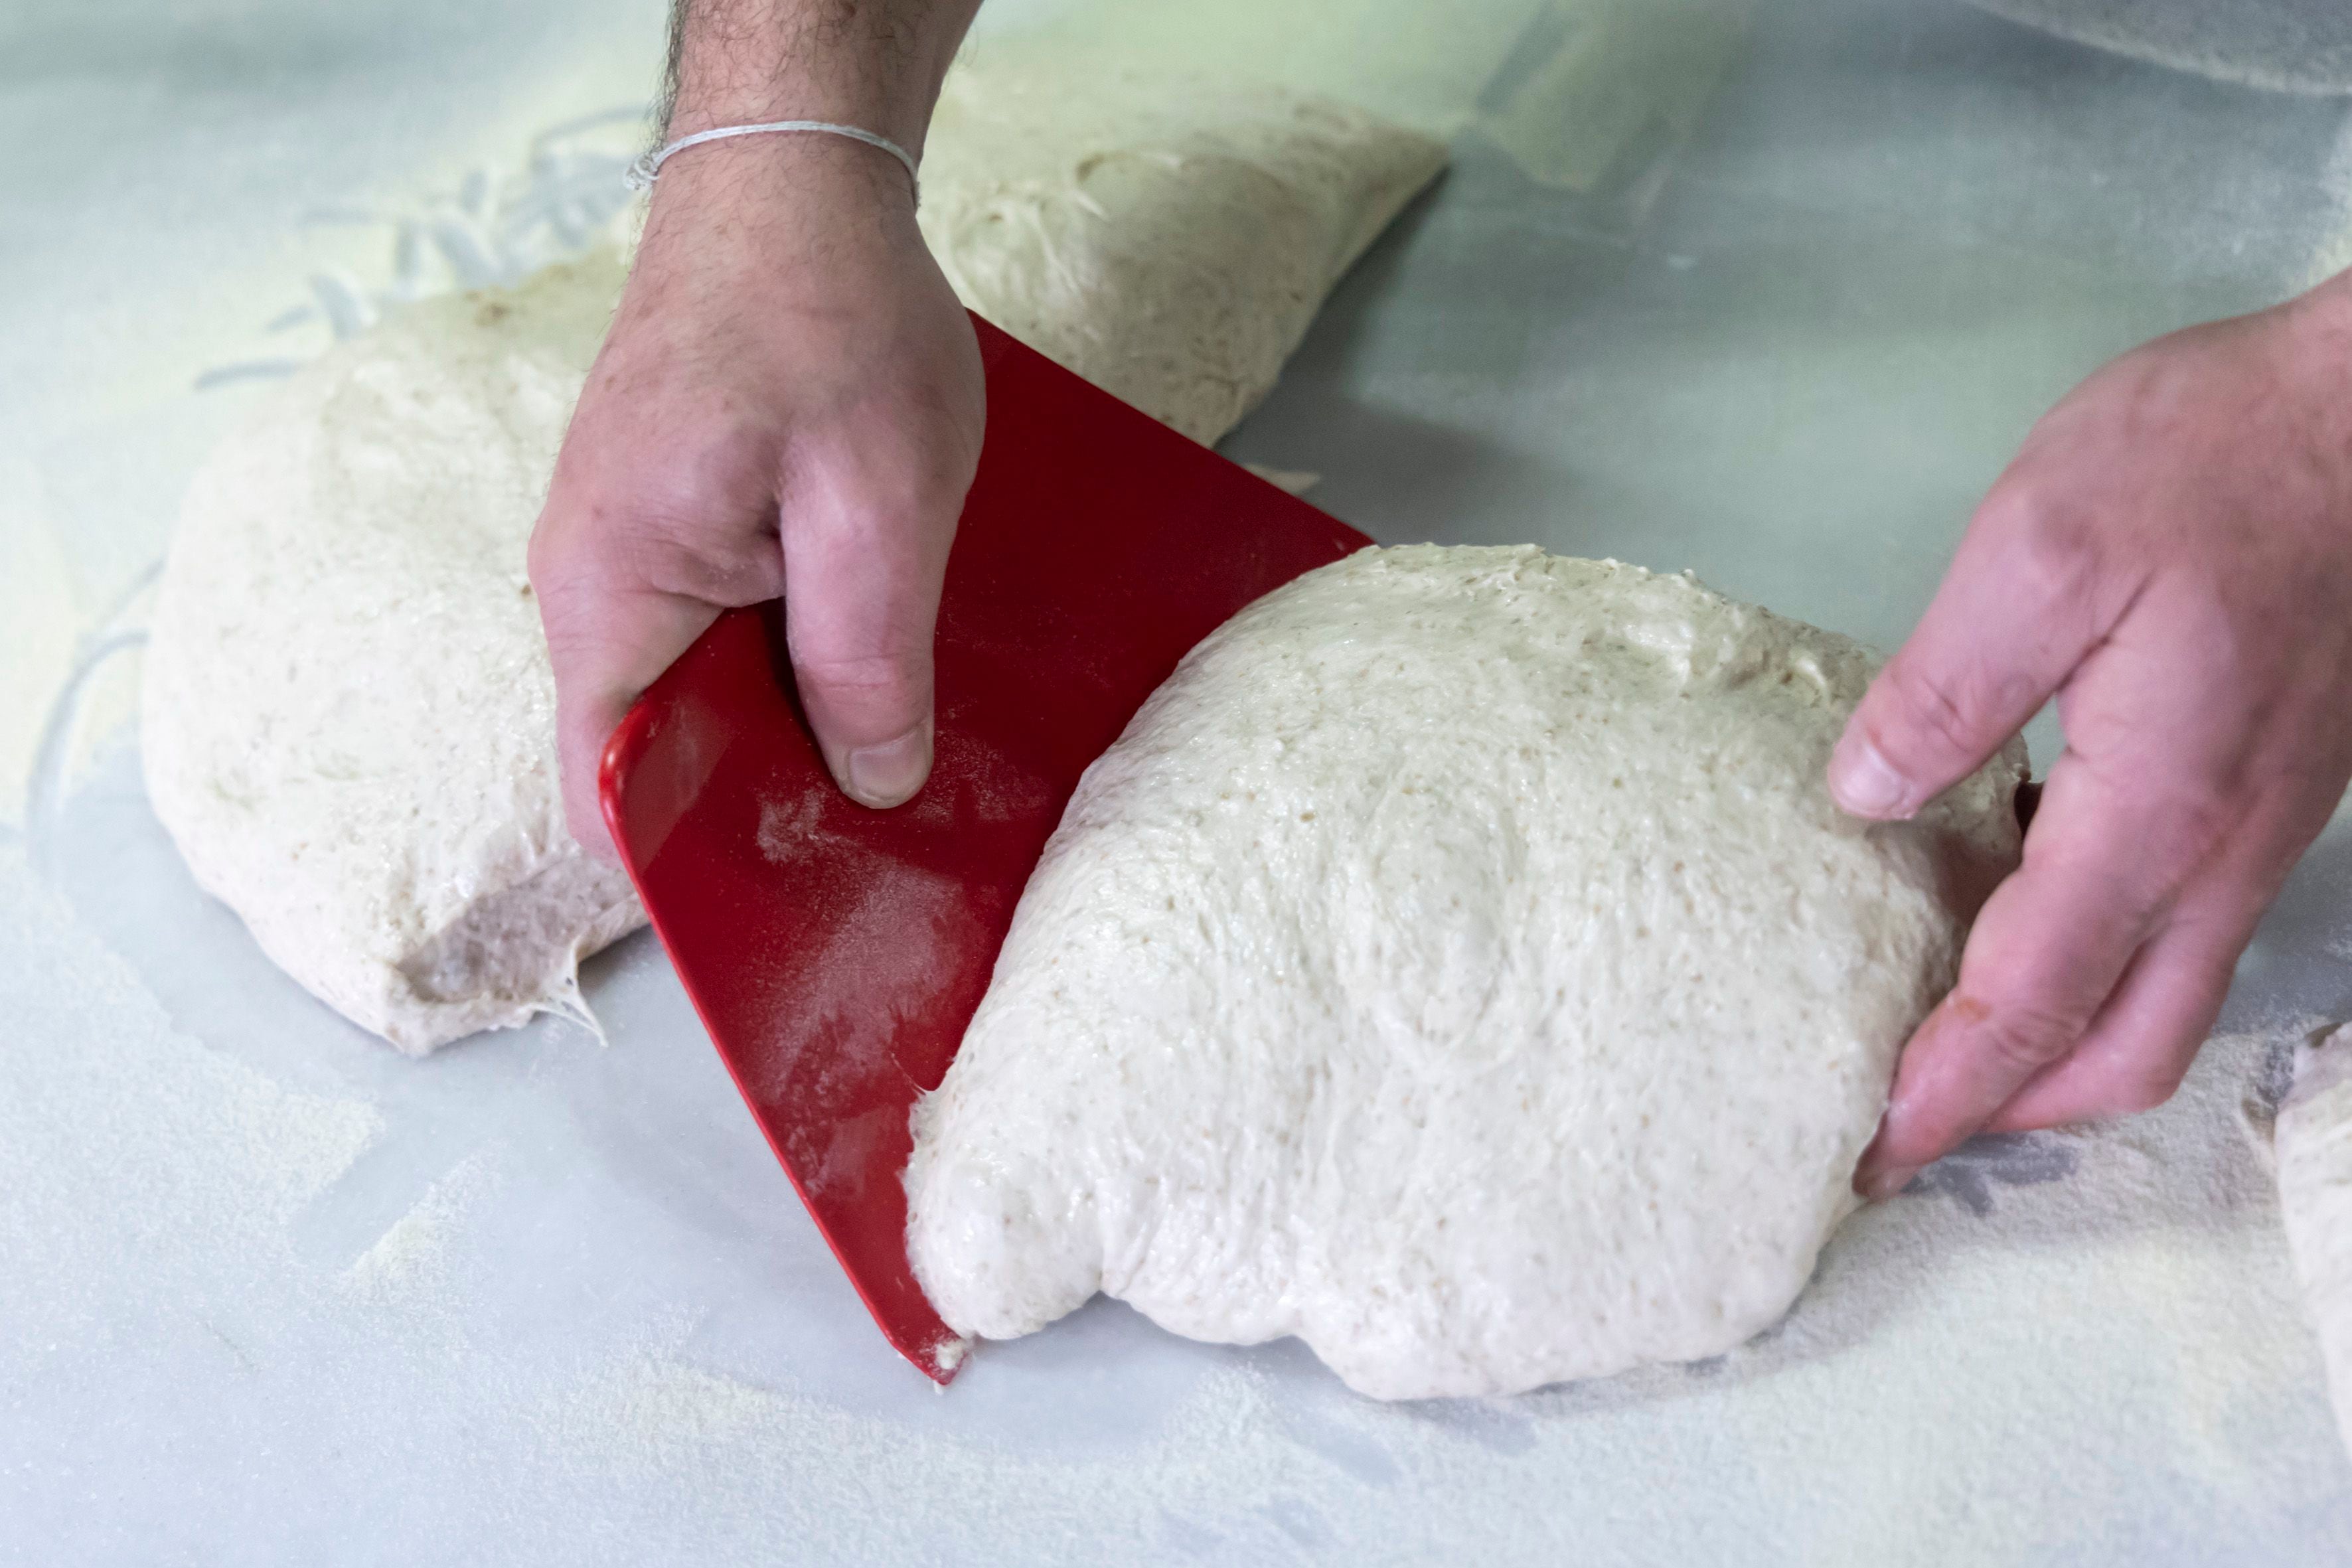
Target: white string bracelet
[(645, 170)]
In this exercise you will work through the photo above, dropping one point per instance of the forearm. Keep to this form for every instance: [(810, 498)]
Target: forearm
[(875, 64)]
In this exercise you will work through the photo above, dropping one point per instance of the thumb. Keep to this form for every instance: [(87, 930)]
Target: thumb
[(861, 600), (2004, 631)]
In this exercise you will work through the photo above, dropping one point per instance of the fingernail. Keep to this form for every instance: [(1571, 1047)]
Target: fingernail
[(1885, 1183), (1863, 783), (885, 776)]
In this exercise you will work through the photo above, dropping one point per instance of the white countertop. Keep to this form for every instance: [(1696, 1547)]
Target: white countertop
[(269, 1292)]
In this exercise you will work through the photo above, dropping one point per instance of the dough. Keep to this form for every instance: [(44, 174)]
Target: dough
[(348, 722), (2312, 1138), (1170, 241), (1458, 963)]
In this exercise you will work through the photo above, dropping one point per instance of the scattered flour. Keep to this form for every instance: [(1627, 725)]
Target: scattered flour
[(2288, 46), (2146, 1258), (195, 1154), (147, 1183), (410, 1271), (2062, 1348), (1291, 481)]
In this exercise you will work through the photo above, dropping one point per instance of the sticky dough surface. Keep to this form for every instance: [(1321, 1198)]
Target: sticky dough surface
[(1458, 963), (349, 719), (1168, 242)]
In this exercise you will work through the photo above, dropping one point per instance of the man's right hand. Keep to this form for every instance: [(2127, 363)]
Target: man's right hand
[(790, 402)]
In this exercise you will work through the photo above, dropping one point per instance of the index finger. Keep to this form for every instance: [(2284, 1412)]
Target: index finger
[(606, 645), (603, 576), (2103, 864)]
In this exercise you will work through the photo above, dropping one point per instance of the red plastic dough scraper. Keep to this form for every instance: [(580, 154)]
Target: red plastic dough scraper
[(836, 953)]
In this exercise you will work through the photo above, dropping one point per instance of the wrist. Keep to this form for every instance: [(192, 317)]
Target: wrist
[(806, 164), (740, 66), (783, 215), (783, 194), (901, 124)]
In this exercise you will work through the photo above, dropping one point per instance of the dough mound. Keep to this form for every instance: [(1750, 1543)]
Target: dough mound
[(1168, 240), (2312, 1138), (1458, 963), (349, 719)]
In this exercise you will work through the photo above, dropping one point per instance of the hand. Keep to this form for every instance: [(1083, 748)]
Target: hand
[(789, 403), (2171, 555)]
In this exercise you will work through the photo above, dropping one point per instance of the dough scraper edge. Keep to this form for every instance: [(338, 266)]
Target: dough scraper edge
[(836, 953)]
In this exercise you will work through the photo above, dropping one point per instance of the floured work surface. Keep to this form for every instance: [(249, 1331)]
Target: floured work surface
[(542, 1300), (552, 1287)]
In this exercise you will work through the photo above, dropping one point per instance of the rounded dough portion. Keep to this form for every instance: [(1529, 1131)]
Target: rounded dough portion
[(349, 719), (1458, 963), (1167, 237)]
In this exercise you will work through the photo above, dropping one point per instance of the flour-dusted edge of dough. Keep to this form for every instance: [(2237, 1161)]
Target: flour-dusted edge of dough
[(1171, 240), (2313, 1142), (1458, 965), (348, 722)]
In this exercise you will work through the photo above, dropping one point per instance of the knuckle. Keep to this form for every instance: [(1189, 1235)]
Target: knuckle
[(870, 503), (879, 674), (1933, 719), (2022, 1037), (559, 561), (727, 554), (650, 548), (678, 465), (671, 490), (2051, 545), (2197, 822), (898, 461), (2155, 845), (2051, 532), (1934, 714)]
